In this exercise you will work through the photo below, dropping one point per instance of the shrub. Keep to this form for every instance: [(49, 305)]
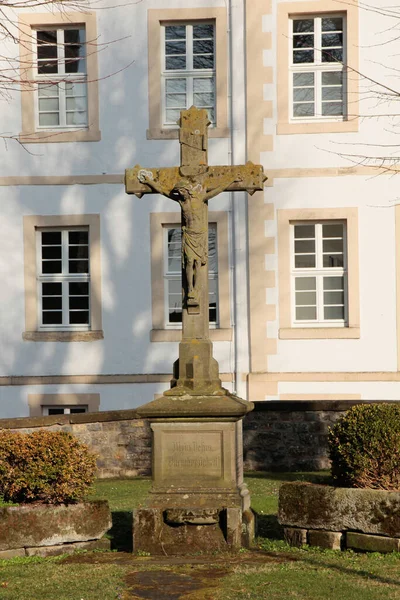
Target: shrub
[(44, 466), (364, 446)]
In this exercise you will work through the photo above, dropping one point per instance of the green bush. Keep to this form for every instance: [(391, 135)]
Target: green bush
[(364, 447), (44, 466)]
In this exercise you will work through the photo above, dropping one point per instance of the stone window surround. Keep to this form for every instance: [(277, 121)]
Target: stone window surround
[(285, 218), (30, 224), (160, 333), (173, 15), (29, 134), (37, 401), (315, 8)]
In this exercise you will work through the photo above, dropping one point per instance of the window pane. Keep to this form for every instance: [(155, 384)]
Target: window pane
[(306, 313), (47, 50), (175, 62), (78, 237), (172, 115), (333, 245), (334, 298), (331, 261), (203, 99), (332, 78), (51, 266), (332, 108), (304, 246), (48, 104), (78, 266), (333, 55), (203, 31), (334, 312), (332, 39), (203, 47), (303, 110), (176, 100), (203, 84), (333, 283), (332, 230), (76, 118), (332, 24), (175, 85), (211, 114), (305, 283), (306, 298), (303, 25), (203, 62), (212, 250), (302, 94), (47, 90), (77, 410), (75, 89), (52, 303), (79, 317), (50, 289), (51, 318), (175, 316), (303, 56), (47, 66), (78, 104), (79, 302), (48, 119), (175, 301), (174, 32), (303, 79), (79, 288), (175, 48), (304, 261), (79, 252), (303, 41), (332, 93), (304, 231), (51, 252), (56, 411)]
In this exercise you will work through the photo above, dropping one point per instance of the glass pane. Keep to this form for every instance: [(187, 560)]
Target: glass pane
[(50, 238), (332, 230), (47, 44), (212, 251), (306, 298), (303, 56), (303, 41), (51, 289), (79, 288), (51, 266), (174, 32), (76, 103), (304, 261), (334, 55), (334, 312), (172, 115), (74, 50), (332, 108), (332, 78), (176, 100), (332, 24), (303, 79), (56, 411), (52, 302), (74, 36), (46, 90), (203, 31), (74, 65), (303, 110), (175, 48), (48, 119), (79, 252), (303, 25), (77, 410), (174, 301), (332, 93), (333, 245), (81, 302), (305, 283), (78, 266), (211, 114), (79, 317), (306, 313), (175, 286), (331, 261), (175, 85), (75, 89), (302, 94), (333, 283), (175, 316), (51, 252), (175, 264), (334, 298), (76, 118), (304, 246), (48, 66), (212, 313), (48, 104), (175, 62), (332, 39), (51, 318), (203, 62), (78, 237), (304, 231), (203, 47), (203, 99), (203, 84)]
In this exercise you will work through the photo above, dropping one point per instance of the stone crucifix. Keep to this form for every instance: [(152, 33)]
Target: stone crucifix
[(191, 185)]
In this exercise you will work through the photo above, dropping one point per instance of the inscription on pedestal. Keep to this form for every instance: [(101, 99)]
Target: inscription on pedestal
[(192, 454)]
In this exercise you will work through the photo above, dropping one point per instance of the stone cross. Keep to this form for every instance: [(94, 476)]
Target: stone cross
[(192, 184)]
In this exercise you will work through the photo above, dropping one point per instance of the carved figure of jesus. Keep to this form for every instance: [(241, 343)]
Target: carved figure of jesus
[(192, 196)]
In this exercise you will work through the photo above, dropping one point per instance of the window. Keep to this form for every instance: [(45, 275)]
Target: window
[(61, 78), (319, 274), (62, 275), (62, 404), (64, 410), (63, 278), (317, 67), (189, 69), (173, 274), (187, 64)]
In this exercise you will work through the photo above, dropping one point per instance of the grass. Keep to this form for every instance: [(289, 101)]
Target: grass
[(274, 571)]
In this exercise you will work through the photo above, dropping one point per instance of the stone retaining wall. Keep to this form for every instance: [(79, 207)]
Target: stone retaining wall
[(277, 436)]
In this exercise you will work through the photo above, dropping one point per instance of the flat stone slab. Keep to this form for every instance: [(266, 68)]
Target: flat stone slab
[(332, 540), (310, 506), (371, 543), (36, 525)]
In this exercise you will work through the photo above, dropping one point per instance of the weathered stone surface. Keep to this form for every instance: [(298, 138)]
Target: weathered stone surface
[(372, 543), (325, 539), (338, 509), (16, 553), (192, 516), (248, 528), (295, 537), (47, 525)]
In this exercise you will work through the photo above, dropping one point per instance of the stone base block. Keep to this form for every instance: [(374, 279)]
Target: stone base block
[(186, 531), (103, 544), (325, 539), (16, 553), (295, 537), (372, 543)]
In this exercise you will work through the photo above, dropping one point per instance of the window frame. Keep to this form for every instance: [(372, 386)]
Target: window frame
[(28, 24), (36, 402), (156, 19), (66, 409)]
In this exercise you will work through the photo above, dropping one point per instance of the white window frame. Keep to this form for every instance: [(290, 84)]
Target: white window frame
[(319, 272), (66, 409), (317, 67), (189, 73), (64, 278), (177, 275), (60, 78)]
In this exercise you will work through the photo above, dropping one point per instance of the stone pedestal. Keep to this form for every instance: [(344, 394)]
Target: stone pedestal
[(198, 501)]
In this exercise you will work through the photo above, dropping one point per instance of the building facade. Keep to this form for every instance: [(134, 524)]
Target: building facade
[(304, 277)]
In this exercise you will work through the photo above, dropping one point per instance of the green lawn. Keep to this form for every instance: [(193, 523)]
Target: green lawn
[(273, 571)]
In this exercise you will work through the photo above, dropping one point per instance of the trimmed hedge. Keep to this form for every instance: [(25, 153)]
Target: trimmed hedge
[(44, 466), (364, 447)]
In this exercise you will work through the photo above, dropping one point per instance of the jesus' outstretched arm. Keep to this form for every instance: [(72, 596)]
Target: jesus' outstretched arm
[(147, 178), (221, 188)]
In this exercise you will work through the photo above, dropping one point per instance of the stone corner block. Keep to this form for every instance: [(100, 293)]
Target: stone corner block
[(332, 540), (295, 536)]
